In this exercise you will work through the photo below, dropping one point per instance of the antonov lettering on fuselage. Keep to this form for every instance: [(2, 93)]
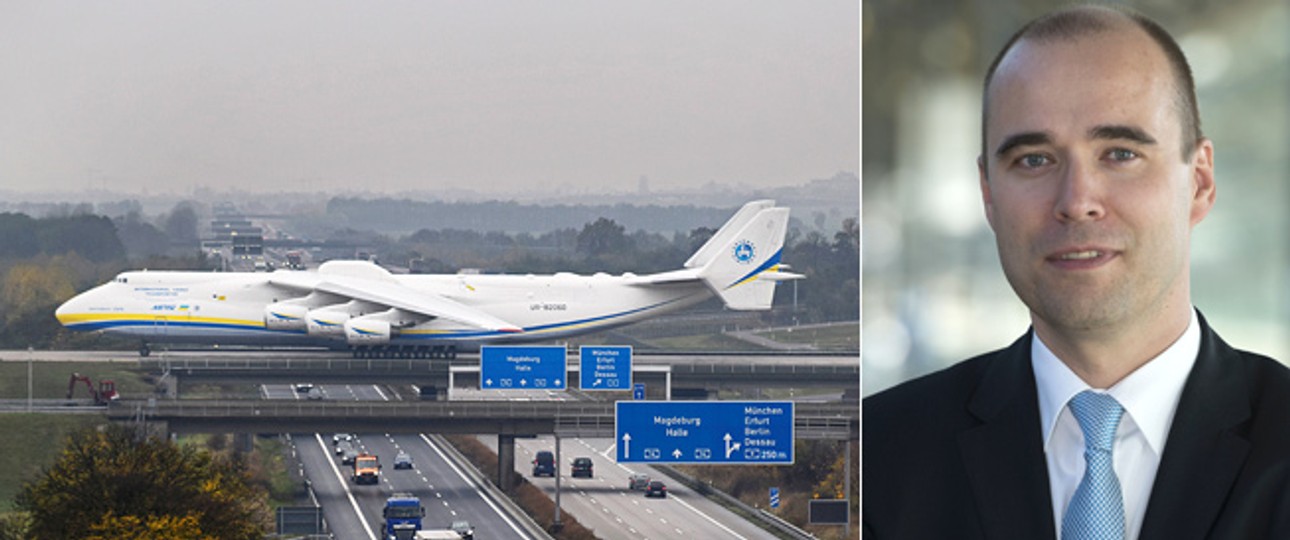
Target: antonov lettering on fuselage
[(359, 305)]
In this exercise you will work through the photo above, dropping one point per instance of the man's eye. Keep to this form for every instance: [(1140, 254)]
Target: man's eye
[(1032, 161), (1122, 154)]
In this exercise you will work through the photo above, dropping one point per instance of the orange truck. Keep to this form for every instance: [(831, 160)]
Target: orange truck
[(367, 469)]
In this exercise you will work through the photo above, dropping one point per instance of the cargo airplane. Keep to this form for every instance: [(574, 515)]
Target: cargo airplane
[(359, 305)]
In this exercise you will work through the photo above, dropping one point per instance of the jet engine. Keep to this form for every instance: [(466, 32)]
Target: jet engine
[(367, 331), (284, 316), (328, 321)]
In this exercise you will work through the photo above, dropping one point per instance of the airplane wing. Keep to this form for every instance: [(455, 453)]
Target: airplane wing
[(392, 294)]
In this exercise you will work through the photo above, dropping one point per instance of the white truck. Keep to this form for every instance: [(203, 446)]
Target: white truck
[(439, 534)]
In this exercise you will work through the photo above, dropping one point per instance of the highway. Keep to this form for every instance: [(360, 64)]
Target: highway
[(603, 503), (354, 512)]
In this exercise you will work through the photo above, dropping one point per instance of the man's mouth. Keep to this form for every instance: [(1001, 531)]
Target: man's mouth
[(1080, 255), (1082, 258)]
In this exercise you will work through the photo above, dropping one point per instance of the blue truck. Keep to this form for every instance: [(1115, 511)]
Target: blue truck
[(403, 513)]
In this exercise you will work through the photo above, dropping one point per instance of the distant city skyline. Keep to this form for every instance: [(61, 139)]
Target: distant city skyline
[(157, 97)]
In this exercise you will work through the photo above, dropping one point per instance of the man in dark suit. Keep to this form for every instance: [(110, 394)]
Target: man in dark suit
[(1121, 414)]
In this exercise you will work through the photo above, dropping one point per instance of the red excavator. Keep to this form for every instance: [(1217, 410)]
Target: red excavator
[(106, 392)]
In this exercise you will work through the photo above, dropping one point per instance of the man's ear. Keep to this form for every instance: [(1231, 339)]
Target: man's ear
[(1203, 189), (985, 190)]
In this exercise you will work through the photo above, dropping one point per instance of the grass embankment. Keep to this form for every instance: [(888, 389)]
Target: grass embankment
[(49, 379), (30, 444), (704, 342), (841, 336), (32, 441), (818, 470), (529, 497)]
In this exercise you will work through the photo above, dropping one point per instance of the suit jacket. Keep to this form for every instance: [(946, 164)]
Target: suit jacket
[(959, 454)]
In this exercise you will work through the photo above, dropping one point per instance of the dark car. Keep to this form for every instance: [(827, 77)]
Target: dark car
[(656, 489), (544, 464), (581, 467)]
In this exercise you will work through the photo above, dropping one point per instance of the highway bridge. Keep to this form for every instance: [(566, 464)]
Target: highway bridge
[(694, 374), (506, 419), (572, 418), (363, 396)]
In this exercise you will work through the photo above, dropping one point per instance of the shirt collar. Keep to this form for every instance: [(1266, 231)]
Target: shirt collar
[(1149, 395)]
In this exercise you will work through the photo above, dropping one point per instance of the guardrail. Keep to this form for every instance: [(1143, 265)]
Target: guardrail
[(67, 406), (324, 409), (489, 489), (784, 528)]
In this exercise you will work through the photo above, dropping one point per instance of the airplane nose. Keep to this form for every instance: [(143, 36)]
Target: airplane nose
[(67, 311)]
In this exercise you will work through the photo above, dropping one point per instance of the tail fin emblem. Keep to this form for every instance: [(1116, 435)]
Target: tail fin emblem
[(744, 252)]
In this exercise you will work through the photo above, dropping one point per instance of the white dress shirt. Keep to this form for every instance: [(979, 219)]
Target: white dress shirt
[(1150, 398)]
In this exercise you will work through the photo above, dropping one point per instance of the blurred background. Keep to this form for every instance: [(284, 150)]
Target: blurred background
[(934, 293)]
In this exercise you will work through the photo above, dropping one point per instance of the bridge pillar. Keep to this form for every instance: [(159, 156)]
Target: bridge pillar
[(244, 442), (168, 386), (506, 463)]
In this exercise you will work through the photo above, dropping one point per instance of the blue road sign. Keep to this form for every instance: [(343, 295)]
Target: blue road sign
[(522, 368), (638, 391), (774, 497), (704, 432), (605, 368)]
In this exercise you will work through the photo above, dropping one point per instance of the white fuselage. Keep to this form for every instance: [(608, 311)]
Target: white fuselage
[(229, 308)]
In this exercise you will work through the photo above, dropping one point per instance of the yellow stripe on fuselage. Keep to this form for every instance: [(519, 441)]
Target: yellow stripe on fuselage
[(83, 318)]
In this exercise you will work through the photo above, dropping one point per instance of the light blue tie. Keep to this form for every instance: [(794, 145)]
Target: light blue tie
[(1096, 511)]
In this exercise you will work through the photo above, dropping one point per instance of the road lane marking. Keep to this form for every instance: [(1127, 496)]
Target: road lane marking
[(367, 528), (472, 483), (709, 518)]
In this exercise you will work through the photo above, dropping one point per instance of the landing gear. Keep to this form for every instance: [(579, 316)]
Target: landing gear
[(420, 352), (143, 349)]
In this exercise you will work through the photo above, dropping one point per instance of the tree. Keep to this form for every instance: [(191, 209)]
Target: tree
[(139, 237), (114, 527), (93, 237), (181, 224), (17, 236), (29, 294), (112, 484), (603, 237), (700, 236)]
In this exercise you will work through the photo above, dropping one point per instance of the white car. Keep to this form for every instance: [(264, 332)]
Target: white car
[(637, 481)]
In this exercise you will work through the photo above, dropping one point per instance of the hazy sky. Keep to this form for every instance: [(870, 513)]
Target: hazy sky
[(485, 95)]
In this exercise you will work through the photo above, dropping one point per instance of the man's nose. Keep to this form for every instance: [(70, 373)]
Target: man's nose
[(1079, 196)]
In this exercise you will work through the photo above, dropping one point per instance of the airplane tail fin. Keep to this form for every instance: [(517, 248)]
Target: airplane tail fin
[(723, 235), (741, 263)]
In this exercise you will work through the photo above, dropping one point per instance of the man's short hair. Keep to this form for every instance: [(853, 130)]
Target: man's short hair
[(1078, 21)]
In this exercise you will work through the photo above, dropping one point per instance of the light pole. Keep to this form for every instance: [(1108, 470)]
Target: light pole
[(30, 354)]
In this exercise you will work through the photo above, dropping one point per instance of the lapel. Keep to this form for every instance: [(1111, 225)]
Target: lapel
[(1203, 453), (1004, 454)]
